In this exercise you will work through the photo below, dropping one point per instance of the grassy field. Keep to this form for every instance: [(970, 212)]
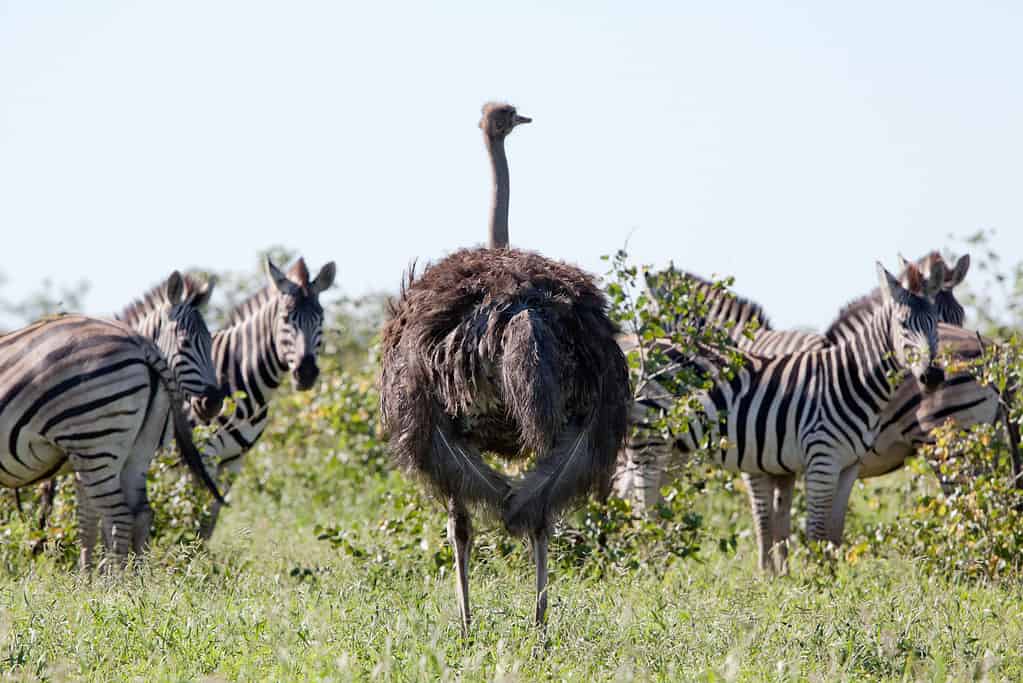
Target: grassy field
[(270, 600)]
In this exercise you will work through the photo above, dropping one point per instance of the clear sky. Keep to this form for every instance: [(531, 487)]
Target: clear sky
[(788, 144)]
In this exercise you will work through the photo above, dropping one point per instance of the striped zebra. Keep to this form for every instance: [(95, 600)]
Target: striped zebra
[(640, 474), (910, 416), (96, 395), (170, 316), (277, 331), (906, 424), (735, 314), (814, 412)]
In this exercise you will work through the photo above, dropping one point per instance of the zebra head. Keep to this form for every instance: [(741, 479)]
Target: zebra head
[(914, 321), (169, 315), (298, 325), (950, 311), (187, 344)]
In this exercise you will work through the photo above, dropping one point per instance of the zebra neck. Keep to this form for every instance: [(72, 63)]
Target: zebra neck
[(246, 357), (872, 342), (865, 360), (151, 327)]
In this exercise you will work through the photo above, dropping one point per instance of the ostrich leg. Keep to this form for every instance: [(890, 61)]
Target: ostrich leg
[(460, 536), (539, 539)]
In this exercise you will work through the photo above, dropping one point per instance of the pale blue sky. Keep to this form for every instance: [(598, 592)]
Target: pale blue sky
[(789, 145)]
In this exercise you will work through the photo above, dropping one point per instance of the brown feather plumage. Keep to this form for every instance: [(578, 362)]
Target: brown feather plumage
[(509, 352)]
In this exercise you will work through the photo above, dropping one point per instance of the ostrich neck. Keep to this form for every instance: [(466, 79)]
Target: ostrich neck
[(499, 203)]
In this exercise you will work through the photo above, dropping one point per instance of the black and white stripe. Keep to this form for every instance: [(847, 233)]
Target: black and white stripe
[(812, 412), (170, 315), (96, 395), (276, 332), (640, 474), (735, 314)]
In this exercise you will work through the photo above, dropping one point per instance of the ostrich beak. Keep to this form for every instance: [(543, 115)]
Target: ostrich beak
[(522, 119)]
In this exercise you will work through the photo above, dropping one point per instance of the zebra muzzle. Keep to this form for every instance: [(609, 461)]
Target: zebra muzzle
[(209, 404), (932, 378), (305, 373)]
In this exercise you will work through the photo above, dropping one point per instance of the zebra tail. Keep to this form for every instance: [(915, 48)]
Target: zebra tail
[(182, 427)]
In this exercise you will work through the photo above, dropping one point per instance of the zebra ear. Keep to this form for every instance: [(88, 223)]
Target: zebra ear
[(324, 279), (935, 281), (904, 265), (175, 288), (891, 290), (958, 273), (278, 279), (202, 297)]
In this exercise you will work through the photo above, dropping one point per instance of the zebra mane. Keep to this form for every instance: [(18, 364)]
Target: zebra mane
[(249, 306), (911, 277), (155, 298), (860, 307), (721, 314)]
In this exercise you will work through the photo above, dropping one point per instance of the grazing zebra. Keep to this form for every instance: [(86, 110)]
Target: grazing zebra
[(170, 316), (733, 313), (278, 330), (640, 474), (96, 395), (810, 411)]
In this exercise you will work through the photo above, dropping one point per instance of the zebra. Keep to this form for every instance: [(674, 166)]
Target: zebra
[(910, 416), (96, 395), (169, 315), (640, 473), (278, 330), (734, 314), (809, 411)]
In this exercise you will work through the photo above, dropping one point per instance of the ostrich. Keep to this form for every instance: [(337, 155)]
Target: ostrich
[(502, 350)]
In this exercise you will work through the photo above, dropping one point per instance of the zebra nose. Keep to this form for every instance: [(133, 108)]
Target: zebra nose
[(932, 378), (210, 403), (306, 372)]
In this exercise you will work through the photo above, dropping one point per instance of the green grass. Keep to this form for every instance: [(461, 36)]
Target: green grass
[(269, 601)]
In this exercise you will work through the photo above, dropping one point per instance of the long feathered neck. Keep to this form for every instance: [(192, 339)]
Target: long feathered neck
[(247, 350), (501, 190)]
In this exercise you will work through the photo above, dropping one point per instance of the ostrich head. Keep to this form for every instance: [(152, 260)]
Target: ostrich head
[(499, 119)]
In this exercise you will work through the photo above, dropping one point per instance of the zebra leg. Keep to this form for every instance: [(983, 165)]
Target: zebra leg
[(640, 475), (841, 503), (88, 526), (821, 485), (133, 483), (782, 522), (460, 537), (47, 494), (99, 487), (761, 489), (231, 469)]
